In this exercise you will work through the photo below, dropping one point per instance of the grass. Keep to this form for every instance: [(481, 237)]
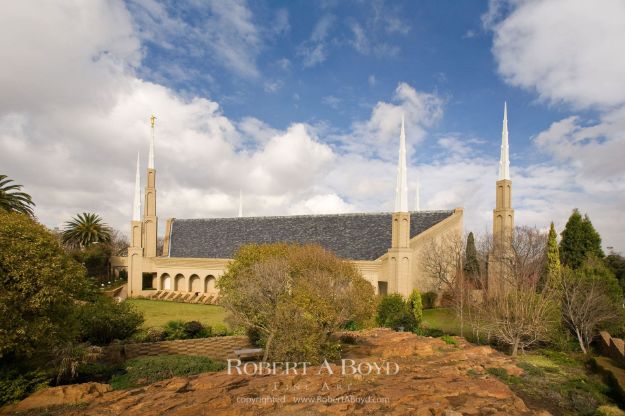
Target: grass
[(443, 319), (157, 312), (563, 383), (148, 370)]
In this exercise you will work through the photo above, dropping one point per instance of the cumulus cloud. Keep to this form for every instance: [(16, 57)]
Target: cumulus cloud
[(222, 32), (74, 114), (378, 136), (565, 50)]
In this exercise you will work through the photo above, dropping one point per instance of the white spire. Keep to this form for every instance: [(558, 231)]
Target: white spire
[(504, 161), (136, 206), (240, 203), (417, 200), (151, 154), (401, 190)]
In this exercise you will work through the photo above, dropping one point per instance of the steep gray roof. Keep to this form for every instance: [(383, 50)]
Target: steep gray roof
[(351, 236)]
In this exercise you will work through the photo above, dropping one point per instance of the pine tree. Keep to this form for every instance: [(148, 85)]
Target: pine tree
[(580, 241), (553, 268), (471, 264)]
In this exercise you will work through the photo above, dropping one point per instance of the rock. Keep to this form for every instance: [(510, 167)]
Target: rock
[(433, 379), (61, 395)]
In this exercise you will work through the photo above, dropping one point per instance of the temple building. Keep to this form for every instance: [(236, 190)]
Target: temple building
[(385, 246), (503, 217)]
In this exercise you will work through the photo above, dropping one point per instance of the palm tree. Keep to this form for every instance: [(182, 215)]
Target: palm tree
[(85, 229), (12, 199)]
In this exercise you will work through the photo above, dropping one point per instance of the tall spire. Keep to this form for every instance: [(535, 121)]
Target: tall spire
[(136, 206), (151, 154), (417, 200), (401, 189), (240, 203), (504, 161)]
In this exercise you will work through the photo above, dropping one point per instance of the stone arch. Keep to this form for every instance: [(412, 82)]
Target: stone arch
[(209, 284), (194, 283), (179, 282), (166, 282)]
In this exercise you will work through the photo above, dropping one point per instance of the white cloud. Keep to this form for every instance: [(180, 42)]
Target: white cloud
[(322, 204), (566, 50), (314, 50), (371, 80), (378, 136), (331, 101), (74, 114), (224, 32)]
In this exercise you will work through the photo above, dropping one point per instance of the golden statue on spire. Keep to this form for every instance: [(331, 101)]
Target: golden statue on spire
[(152, 120)]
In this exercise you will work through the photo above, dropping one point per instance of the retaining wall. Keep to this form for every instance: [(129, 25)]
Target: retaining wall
[(218, 348)]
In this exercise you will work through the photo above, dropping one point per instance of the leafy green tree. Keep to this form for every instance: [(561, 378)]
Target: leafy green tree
[(12, 199), (416, 306), (552, 267), (84, 230), (40, 286), (579, 241), (616, 264), (292, 298), (471, 263), (593, 239)]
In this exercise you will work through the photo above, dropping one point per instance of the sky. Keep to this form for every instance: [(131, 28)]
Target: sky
[(297, 104)]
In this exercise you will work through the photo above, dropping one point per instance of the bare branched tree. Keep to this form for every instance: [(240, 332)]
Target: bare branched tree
[(256, 304), (587, 305), (516, 311), (443, 261)]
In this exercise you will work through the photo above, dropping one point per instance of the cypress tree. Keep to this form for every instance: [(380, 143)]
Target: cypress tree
[(580, 241), (471, 264), (553, 267)]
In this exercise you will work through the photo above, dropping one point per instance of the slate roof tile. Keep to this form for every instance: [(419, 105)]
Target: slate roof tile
[(351, 236)]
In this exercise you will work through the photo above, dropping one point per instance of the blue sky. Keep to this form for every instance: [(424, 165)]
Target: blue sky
[(297, 104), (434, 46)]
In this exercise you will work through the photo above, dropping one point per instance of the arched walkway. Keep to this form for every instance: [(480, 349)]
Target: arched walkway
[(179, 283), (195, 285), (209, 284), (165, 281)]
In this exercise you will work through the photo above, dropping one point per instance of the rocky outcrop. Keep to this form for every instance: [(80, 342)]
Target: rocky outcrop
[(434, 378), (57, 396)]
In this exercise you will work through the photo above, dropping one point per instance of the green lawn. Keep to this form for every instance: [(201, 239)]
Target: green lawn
[(158, 312), (443, 319)]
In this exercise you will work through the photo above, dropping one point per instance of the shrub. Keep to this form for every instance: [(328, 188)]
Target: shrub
[(220, 330), (155, 334), (147, 370), (395, 313), (428, 299), (449, 340), (175, 330), (192, 329), (16, 384), (606, 410), (416, 307), (106, 320)]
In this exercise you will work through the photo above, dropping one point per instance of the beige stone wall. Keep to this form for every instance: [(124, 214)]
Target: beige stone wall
[(218, 348), (201, 275)]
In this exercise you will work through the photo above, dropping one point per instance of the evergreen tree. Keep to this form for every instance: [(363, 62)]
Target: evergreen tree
[(553, 268), (593, 239), (471, 264), (580, 241)]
